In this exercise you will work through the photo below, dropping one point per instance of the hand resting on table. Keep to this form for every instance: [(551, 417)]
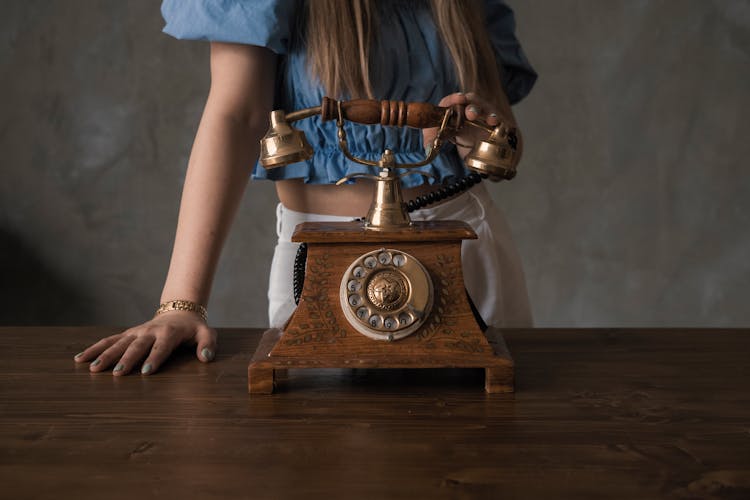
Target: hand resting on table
[(151, 343)]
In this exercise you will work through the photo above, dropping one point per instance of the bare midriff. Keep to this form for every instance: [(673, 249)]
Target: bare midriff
[(348, 199)]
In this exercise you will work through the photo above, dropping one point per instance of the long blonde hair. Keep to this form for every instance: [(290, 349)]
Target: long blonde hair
[(339, 34)]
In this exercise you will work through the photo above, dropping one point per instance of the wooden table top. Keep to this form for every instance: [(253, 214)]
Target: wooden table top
[(596, 414)]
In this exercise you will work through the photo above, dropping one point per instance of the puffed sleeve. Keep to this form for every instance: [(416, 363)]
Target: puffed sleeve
[(517, 75), (266, 23)]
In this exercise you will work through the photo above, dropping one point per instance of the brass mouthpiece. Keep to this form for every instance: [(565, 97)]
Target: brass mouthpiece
[(494, 156)]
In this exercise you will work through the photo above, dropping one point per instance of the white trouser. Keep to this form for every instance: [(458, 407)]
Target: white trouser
[(491, 265)]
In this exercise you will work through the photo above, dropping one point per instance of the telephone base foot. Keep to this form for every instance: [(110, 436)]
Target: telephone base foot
[(265, 370)]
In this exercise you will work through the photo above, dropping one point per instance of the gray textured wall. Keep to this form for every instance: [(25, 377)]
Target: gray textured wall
[(632, 208)]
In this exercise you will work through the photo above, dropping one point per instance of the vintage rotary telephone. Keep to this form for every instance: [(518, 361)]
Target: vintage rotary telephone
[(385, 291)]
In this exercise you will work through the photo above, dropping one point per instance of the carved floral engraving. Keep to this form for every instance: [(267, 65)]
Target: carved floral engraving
[(323, 326), (441, 331)]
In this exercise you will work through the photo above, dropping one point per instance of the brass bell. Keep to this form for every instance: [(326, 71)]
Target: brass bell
[(283, 144), (493, 157), (388, 210)]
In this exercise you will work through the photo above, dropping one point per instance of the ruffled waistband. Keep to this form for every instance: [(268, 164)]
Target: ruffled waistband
[(328, 165)]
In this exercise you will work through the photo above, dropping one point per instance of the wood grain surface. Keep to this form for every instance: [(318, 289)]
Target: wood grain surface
[(388, 113), (596, 414)]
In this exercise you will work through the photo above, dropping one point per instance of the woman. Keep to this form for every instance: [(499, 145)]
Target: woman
[(445, 52)]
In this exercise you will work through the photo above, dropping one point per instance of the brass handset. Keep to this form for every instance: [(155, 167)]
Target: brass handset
[(493, 157)]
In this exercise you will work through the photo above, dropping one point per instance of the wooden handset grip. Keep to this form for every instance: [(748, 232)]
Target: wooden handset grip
[(387, 113)]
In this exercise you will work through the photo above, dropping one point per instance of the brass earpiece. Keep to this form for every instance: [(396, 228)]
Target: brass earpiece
[(283, 144)]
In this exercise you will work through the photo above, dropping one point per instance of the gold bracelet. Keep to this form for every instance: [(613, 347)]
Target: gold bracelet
[(182, 305)]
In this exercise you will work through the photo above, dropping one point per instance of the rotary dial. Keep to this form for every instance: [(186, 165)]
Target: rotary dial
[(386, 294)]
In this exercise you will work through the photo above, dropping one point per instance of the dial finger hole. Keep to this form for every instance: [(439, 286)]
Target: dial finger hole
[(376, 321), (405, 319), (399, 260), (363, 313), (384, 258)]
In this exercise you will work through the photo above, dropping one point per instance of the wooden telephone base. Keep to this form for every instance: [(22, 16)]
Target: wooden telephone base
[(318, 335)]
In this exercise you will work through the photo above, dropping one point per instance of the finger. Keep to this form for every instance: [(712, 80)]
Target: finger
[(112, 353), (135, 352), (457, 101), (451, 99), (480, 108), (429, 134), (163, 346), (206, 348), (94, 350), (473, 112)]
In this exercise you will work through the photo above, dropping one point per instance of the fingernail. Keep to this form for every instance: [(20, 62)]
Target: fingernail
[(493, 115), (96, 362), (207, 354), (146, 368), (427, 150), (473, 109), (119, 367), (78, 355)]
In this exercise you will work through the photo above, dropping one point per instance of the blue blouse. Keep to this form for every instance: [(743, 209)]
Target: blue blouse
[(410, 64)]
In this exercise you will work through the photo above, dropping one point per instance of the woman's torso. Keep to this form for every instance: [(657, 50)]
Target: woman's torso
[(349, 199)]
